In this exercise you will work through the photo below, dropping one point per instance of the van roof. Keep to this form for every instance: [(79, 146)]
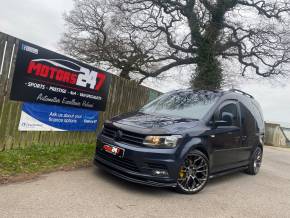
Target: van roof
[(217, 91)]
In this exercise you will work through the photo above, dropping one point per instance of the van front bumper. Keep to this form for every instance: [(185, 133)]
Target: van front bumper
[(139, 164)]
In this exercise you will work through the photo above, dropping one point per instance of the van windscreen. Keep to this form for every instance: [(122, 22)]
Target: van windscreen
[(185, 104)]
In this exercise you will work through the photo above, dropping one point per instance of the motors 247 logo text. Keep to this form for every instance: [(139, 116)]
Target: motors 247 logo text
[(66, 72)]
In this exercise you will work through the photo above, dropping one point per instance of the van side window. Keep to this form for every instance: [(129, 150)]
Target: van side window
[(248, 121), (232, 110)]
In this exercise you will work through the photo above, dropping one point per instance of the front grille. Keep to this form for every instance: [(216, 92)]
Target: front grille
[(125, 136), (122, 162)]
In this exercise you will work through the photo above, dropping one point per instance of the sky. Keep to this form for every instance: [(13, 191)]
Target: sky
[(41, 22)]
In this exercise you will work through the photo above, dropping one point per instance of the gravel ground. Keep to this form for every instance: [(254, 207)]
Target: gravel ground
[(92, 192)]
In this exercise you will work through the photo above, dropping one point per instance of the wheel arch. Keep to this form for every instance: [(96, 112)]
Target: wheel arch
[(256, 146), (202, 149), (261, 146), (198, 144)]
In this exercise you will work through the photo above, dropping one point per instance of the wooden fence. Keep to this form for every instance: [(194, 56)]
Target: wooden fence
[(124, 96)]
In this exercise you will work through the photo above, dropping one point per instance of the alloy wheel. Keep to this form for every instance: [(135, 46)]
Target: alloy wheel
[(257, 160), (193, 174)]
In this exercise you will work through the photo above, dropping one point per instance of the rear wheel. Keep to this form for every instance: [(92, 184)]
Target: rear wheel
[(256, 161), (193, 173)]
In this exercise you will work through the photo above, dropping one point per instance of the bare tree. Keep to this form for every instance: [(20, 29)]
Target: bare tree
[(203, 33), (96, 34), (145, 38)]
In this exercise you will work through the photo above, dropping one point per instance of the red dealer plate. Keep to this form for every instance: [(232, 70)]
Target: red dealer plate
[(114, 150)]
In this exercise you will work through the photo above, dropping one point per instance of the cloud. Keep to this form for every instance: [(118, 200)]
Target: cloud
[(36, 21), (274, 99)]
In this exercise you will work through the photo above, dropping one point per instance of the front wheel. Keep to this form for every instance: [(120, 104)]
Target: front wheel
[(255, 162), (193, 173)]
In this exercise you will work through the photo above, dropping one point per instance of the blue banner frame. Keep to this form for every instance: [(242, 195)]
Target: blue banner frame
[(43, 117)]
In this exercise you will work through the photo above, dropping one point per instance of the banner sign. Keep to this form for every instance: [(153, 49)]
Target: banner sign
[(43, 76), (41, 117)]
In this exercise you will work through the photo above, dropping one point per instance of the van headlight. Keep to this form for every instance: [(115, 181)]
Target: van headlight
[(162, 141)]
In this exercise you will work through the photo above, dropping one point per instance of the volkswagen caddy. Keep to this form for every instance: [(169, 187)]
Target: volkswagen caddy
[(183, 138)]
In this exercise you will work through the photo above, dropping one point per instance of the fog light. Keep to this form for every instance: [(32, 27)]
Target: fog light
[(159, 172)]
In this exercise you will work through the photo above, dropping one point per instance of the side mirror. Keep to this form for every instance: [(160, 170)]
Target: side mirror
[(227, 120)]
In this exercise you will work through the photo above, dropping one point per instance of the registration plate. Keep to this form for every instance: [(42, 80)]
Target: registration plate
[(114, 150)]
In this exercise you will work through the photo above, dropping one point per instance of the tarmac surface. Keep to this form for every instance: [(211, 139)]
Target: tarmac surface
[(92, 192)]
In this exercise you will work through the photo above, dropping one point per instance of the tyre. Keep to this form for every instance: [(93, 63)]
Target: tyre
[(255, 162), (193, 173)]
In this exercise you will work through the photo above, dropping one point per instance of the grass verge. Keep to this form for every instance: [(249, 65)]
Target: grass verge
[(38, 159)]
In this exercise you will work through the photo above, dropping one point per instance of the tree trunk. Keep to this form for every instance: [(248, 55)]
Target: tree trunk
[(125, 74), (208, 73)]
